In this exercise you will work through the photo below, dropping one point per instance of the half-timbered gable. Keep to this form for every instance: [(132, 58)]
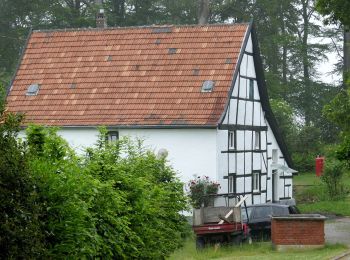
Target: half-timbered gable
[(196, 91)]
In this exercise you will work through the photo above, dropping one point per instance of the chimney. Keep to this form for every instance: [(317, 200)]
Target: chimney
[(203, 12), (101, 20)]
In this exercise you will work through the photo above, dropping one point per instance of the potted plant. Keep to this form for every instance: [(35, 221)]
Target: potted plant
[(200, 189)]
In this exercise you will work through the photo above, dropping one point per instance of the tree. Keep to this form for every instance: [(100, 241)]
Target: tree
[(20, 230), (336, 10)]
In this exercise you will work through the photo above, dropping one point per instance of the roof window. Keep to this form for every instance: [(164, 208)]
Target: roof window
[(172, 50), (33, 90), (208, 86)]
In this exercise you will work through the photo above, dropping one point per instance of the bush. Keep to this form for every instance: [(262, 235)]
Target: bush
[(332, 178), (153, 195), (119, 201)]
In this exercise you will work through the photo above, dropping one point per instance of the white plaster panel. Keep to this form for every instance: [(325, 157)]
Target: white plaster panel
[(250, 67), (256, 91), (235, 89), (248, 163), (79, 138), (233, 110), (240, 163), (256, 161), (257, 199), (243, 88), (241, 112), (263, 140), (232, 166), (240, 140), (191, 151), (240, 185), (249, 47), (257, 114), (249, 113), (244, 64), (248, 140)]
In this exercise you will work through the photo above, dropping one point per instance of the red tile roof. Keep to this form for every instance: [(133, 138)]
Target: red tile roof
[(127, 76)]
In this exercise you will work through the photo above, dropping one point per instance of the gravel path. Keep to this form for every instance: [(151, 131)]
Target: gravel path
[(338, 231)]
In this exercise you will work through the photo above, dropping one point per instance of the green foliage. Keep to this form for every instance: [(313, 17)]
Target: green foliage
[(336, 10), (152, 192), (284, 115), (338, 111), (20, 234), (118, 202), (332, 178), (200, 190)]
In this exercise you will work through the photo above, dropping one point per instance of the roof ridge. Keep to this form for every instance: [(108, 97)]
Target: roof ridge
[(140, 27)]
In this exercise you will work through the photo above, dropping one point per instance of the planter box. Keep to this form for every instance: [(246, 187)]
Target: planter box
[(299, 231)]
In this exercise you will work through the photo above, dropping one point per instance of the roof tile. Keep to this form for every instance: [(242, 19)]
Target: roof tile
[(126, 76)]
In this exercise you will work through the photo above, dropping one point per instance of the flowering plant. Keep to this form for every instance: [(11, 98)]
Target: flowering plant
[(199, 188)]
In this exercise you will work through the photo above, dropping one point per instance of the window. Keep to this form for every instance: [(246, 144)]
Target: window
[(231, 184), (112, 136), (274, 155), (33, 90), (208, 86), (251, 89), (232, 140), (256, 181), (257, 140)]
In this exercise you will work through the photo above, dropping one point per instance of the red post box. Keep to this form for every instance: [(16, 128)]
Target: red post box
[(319, 166)]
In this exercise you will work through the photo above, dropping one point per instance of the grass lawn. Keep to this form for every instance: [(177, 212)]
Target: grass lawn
[(254, 251), (314, 199)]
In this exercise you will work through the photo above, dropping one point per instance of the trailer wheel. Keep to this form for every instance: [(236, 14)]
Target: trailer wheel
[(200, 243), (236, 240)]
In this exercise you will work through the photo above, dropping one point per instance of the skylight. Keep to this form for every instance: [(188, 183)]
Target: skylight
[(33, 90), (208, 86)]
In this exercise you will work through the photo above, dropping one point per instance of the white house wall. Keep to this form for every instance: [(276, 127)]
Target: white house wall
[(245, 116), (190, 151)]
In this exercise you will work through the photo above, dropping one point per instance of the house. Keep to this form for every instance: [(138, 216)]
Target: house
[(197, 92)]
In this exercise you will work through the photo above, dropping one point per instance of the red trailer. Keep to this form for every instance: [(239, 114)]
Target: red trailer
[(222, 225)]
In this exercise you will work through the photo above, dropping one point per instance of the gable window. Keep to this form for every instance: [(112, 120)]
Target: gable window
[(230, 184), (112, 136), (274, 155), (256, 181), (232, 140), (257, 140), (251, 89)]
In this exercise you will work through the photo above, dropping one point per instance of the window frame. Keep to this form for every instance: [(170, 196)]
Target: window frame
[(110, 135), (257, 140), (231, 184), (256, 181), (251, 89), (232, 140)]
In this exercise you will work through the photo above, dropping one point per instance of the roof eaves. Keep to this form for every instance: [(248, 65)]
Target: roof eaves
[(139, 126), (137, 27), (19, 62)]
